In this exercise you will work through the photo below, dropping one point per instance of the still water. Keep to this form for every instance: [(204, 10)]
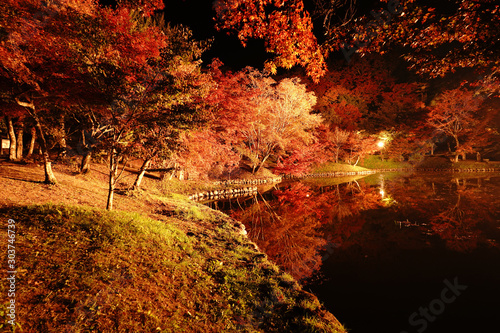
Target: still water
[(388, 252)]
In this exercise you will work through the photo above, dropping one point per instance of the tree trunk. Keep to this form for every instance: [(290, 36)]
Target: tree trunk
[(85, 165), (142, 171), (456, 149), (19, 143), (62, 138), (478, 157), (87, 155), (49, 175), (12, 138), (261, 164), (113, 168), (357, 160), (32, 142)]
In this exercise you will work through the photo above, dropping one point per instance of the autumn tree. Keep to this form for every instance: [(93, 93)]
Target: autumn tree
[(338, 139), (285, 26), (366, 96), (262, 117), (359, 145), (301, 158), (282, 114), (205, 153), (454, 114), (434, 38), (146, 82), (181, 81), (48, 77)]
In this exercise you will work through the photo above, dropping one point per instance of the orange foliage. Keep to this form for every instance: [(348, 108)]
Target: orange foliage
[(284, 25)]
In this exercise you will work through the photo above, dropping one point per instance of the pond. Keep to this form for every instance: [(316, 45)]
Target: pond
[(388, 252)]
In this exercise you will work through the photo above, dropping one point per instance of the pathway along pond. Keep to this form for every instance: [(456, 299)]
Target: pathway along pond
[(388, 252)]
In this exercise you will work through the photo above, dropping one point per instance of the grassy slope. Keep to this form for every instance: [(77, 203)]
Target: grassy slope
[(82, 269)]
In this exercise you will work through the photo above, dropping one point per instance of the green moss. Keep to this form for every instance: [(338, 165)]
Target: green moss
[(88, 270), (376, 162), (435, 162), (337, 167)]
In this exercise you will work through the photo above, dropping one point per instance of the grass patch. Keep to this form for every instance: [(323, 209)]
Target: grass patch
[(475, 165), (435, 162), (376, 162), (186, 187), (89, 270), (337, 167)]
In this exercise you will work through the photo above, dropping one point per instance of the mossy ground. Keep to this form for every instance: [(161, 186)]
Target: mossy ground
[(377, 162), (162, 263), (337, 167)]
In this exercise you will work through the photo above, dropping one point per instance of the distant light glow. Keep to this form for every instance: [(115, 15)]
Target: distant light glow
[(381, 144), (382, 193)]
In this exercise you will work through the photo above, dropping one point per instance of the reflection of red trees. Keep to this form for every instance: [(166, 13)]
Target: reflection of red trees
[(288, 229), (301, 220), (343, 205), (458, 223)]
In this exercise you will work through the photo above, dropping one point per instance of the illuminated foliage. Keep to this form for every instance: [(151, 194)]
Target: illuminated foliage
[(365, 95), (435, 38), (262, 117), (284, 25), (454, 115)]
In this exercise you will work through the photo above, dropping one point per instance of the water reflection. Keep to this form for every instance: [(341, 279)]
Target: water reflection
[(462, 211), (288, 222), (297, 223), (286, 226), (376, 249)]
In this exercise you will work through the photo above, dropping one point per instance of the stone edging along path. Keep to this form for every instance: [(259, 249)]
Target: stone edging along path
[(251, 190)]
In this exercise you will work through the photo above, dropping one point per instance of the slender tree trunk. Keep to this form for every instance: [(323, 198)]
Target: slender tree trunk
[(457, 149), (87, 155), (261, 164), (85, 165), (49, 175), (142, 171), (357, 161), (62, 138), (12, 138), (19, 143), (32, 142), (113, 169)]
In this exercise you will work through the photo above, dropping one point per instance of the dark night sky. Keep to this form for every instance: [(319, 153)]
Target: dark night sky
[(198, 16)]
